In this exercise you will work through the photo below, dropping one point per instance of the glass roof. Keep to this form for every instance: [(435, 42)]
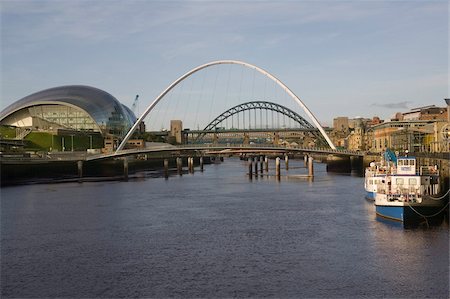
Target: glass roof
[(105, 109)]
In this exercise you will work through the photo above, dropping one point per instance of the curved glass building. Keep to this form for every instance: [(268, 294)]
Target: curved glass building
[(75, 107)]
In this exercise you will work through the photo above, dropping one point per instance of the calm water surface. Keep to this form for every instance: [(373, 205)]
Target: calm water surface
[(214, 234)]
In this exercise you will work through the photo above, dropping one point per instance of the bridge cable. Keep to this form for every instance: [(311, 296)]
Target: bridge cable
[(166, 106), (213, 95), (177, 102), (253, 83), (227, 90), (200, 99), (189, 99)]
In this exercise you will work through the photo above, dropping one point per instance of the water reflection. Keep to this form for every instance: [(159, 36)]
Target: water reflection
[(214, 234)]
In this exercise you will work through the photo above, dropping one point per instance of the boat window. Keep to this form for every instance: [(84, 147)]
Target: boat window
[(400, 162), (399, 181), (412, 181), (411, 162)]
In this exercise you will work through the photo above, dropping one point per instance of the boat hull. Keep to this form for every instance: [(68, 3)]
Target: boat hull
[(370, 195), (409, 214)]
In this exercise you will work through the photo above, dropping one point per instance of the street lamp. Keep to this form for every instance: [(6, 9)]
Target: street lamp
[(90, 141), (72, 142)]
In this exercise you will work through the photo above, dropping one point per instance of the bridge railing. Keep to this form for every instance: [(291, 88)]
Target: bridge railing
[(266, 146)]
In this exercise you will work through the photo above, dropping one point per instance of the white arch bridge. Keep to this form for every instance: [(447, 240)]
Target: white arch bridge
[(224, 149), (219, 62)]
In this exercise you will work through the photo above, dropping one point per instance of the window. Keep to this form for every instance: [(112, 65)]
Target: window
[(399, 181), (412, 181)]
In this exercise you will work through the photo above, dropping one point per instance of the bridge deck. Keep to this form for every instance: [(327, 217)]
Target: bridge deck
[(225, 148)]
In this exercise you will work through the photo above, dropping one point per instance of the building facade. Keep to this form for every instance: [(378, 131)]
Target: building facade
[(70, 108)]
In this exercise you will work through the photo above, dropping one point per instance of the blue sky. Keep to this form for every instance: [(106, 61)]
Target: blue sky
[(342, 58)]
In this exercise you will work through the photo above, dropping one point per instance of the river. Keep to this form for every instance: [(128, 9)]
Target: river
[(214, 234)]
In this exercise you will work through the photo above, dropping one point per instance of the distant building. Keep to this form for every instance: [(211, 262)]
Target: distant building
[(176, 130), (424, 113), (341, 124), (356, 141), (412, 135), (352, 133)]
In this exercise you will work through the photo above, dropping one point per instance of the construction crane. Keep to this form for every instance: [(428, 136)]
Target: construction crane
[(135, 102)]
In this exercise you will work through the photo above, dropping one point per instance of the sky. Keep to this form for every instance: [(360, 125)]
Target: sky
[(341, 58)]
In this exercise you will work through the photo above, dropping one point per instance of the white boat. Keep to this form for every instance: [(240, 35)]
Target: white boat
[(405, 192), (373, 176)]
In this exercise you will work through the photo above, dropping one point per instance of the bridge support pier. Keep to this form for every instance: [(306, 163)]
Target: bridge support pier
[(166, 168), (286, 161), (339, 164), (256, 166), (250, 168), (310, 167), (191, 164), (277, 168), (356, 164), (180, 166), (201, 163), (266, 161), (306, 160), (125, 168), (261, 165), (80, 170)]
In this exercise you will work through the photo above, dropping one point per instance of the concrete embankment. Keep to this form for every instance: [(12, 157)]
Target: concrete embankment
[(26, 171)]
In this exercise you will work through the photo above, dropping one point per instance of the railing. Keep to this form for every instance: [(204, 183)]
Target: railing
[(266, 146), (22, 133), (236, 147)]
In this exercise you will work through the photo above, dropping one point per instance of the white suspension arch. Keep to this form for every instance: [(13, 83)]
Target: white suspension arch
[(262, 71)]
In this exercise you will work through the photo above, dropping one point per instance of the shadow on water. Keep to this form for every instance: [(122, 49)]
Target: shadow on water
[(437, 220)]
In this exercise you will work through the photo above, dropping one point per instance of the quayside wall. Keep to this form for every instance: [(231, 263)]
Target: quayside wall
[(28, 171)]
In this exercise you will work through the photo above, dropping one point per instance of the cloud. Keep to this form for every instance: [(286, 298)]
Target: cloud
[(398, 105)]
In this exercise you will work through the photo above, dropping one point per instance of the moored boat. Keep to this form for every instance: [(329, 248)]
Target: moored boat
[(406, 192), (376, 172)]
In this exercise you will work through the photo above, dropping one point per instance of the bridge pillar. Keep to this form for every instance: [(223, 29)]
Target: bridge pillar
[(277, 168), (250, 168), (356, 164), (180, 166), (261, 165), (310, 167), (191, 164), (256, 166), (80, 169), (266, 161), (306, 160), (201, 163), (125, 168), (339, 164), (286, 161), (166, 168)]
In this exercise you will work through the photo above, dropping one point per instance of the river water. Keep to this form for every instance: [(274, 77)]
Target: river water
[(214, 234)]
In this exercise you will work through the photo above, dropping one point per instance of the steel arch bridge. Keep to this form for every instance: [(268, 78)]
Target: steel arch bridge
[(219, 62), (304, 125)]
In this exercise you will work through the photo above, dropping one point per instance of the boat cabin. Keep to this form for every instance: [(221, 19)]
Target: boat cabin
[(406, 166)]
